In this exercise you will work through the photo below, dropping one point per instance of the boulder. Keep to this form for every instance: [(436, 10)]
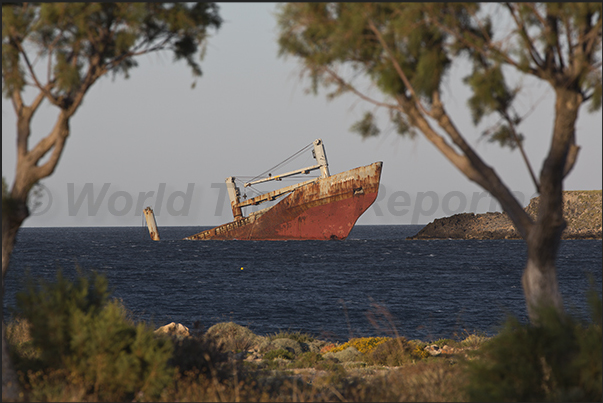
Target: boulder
[(314, 346), (233, 337), (348, 355), (174, 329), (434, 349)]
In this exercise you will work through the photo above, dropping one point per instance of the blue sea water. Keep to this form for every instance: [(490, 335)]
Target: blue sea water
[(374, 283)]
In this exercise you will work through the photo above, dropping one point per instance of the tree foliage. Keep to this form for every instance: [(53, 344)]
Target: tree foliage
[(407, 50), (83, 41), (424, 39)]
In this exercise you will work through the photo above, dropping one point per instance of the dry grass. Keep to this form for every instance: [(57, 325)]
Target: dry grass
[(434, 381), (302, 379)]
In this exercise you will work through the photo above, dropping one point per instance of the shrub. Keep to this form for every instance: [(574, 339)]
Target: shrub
[(395, 352), (558, 359), (473, 341), (308, 360), (363, 344), (279, 353), (297, 336), (445, 342), (199, 354), (22, 349), (81, 333), (286, 344)]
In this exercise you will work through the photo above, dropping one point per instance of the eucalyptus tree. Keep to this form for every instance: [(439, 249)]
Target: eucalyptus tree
[(56, 52), (406, 51)]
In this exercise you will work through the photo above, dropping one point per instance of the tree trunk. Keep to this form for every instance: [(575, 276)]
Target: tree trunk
[(540, 275), (13, 214), (539, 279), (15, 210), (540, 288)]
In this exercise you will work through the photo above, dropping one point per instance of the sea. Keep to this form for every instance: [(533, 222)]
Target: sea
[(374, 283)]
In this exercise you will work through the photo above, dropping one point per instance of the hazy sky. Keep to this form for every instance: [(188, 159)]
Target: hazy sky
[(248, 112)]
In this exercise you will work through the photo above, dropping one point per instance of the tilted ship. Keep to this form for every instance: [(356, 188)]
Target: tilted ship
[(322, 208)]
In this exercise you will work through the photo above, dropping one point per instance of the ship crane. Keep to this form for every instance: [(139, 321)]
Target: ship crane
[(234, 193)]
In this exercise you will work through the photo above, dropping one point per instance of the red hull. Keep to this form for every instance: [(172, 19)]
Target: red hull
[(325, 209)]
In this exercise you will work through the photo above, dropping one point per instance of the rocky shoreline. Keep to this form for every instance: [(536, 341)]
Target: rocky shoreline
[(310, 369), (581, 210), (241, 344)]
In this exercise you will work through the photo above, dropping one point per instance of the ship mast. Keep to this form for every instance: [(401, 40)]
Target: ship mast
[(234, 193)]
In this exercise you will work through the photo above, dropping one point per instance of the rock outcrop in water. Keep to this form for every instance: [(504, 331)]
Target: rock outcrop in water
[(581, 210)]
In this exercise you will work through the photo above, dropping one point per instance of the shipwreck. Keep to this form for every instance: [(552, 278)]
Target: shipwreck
[(322, 208)]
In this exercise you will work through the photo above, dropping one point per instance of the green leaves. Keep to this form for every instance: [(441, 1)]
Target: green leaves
[(503, 135), (366, 127), (403, 127), (490, 92), (16, 23), (184, 48), (86, 40), (67, 74)]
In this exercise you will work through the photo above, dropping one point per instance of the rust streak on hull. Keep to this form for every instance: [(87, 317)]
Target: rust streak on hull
[(325, 209)]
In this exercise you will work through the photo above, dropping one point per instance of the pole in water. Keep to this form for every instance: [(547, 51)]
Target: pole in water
[(151, 223)]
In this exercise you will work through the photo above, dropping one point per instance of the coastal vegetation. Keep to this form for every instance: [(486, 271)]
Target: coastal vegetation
[(71, 342)]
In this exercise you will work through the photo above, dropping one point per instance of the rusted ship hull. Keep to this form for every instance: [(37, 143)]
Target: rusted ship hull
[(325, 209)]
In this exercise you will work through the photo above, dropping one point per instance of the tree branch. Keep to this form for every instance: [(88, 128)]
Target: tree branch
[(17, 100), (59, 130), (551, 23), (550, 28), (347, 86), (93, 73), (51, 98), (49, 166), (489, 179), (458, 160), (482, 49), (461, 162), (39, 98), (521, 150), (470, 164), (536, 58), (536, 13), (590, 39), (568, 38), (481, 26), (50, 51), (22, 126)]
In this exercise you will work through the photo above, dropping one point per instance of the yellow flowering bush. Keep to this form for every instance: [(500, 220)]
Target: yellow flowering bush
[(362, 344), (419, 352)]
